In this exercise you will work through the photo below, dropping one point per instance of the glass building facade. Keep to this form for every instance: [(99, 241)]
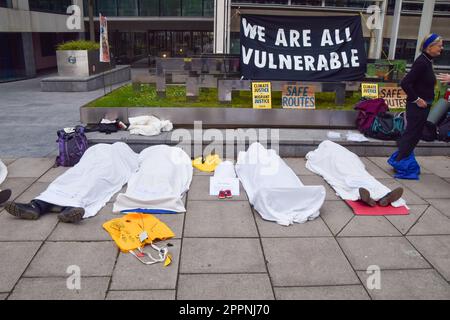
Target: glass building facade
[(50, 6)]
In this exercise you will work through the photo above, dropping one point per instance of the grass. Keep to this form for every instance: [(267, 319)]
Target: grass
[(146, 96), (79, 45)]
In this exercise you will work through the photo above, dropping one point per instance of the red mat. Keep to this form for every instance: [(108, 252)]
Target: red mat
[(362, 209)]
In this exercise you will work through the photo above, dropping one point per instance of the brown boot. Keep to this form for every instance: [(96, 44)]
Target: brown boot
[(391, 197), (364, 195)]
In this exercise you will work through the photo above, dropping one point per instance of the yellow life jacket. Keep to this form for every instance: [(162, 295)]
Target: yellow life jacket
[(209, 165), (127, 230)]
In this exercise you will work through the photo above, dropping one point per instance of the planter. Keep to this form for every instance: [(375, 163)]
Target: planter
[(80, 63)]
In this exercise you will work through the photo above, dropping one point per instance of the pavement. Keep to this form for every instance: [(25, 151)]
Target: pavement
[(224, 250)]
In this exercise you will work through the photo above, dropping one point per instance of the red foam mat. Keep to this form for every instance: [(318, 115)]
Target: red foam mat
[(362, 209)]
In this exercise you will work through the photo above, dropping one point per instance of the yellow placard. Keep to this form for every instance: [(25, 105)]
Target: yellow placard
[(369, 90), (298, 97), (262, 95), (395, 97)]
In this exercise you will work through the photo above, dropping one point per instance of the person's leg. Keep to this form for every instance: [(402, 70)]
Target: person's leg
[(28, 211), (416, 119)]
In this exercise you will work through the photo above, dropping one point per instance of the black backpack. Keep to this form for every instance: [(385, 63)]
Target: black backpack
[(387, 126), (443, 129), (429, 132)]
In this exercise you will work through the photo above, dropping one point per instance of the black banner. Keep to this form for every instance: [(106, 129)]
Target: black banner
[(302, 48)]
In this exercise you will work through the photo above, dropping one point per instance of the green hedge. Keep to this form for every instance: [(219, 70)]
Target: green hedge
[(79, 45)]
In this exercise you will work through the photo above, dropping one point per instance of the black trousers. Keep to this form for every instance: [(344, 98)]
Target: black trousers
[(416, 119)]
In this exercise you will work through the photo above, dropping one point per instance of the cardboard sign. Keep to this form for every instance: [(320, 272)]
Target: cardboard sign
[(262, 95), (298, 97), (395, 97), (369, 90)]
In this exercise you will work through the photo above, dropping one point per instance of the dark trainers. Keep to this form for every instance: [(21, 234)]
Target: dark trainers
[(71, 215), (4, 196), (364, 195), (29, 211), (391, 197)]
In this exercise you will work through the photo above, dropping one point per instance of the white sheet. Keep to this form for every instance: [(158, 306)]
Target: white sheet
[(3, 172), (275, 190), (101, 172), (165, 174), (345, 172), (148, 126)]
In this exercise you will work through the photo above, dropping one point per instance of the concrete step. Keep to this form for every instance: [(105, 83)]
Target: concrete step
[(288, 142)]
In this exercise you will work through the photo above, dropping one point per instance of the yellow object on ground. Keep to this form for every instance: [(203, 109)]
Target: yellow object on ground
[(128, 231), (209, 165)]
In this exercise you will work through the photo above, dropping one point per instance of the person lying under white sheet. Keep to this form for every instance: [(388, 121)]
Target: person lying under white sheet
[(274, 190), (346, 173), (102, 172)]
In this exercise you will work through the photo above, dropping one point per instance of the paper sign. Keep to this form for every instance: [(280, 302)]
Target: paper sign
[(395, 97), (298, 97), (221, 184), (369, 90), (262, 95)]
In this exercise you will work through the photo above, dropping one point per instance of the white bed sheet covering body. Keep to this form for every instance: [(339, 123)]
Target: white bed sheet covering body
[(102, 171), (345, 172), (3, 172), (164, 176), (275, 190)]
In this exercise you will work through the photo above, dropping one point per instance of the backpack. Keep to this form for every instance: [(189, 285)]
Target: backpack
[(368, 110), (72, 144), (429, 132), (443, 129), (386, 126)]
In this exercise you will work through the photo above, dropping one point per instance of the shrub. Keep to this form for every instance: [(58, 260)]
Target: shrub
[(79, 45)]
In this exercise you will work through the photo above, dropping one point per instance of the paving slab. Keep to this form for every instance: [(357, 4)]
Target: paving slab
[(307, 262), (226, 219), (356, 292), (440, 166), (404, 223), (319, 181), (87, 230), (409, 195), (408, 285), (202, 173), (436, 249), (315, 228), (432, 222), (29, 167), (56, 289), (130, 274), (225, 287), (15, 229), (336, 214), (52, 174), (3, 296), (375, 170), (8, 161), (369, 226), (19, 255), (94, 259), (141, 295), (17, 186), (298, 165), (443, 205), (429, 186), (386, 253), (199, 190), (219, 255), (33, 192), (381, 162)]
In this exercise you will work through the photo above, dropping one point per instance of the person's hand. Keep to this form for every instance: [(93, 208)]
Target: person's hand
[(422, 103), (443, 77)]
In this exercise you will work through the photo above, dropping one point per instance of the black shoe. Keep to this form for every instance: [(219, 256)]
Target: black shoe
[(391, 197), (364, 195), (71, 215), (29, 211), (4, 196)]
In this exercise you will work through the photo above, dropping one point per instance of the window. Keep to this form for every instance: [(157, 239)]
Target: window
[(128, 8), (106, 7), (49, 42), (170, 8), (6, 3), (208, 8), (50, 6), (193, 8), (149, 8)]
